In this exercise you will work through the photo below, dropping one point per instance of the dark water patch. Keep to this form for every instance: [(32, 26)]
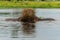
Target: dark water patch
[(28, 28)]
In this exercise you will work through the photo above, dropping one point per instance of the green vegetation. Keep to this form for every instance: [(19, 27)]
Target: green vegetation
[(29, 4), (29, 0)]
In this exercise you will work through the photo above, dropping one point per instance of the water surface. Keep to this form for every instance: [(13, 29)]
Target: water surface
[(45, 30)]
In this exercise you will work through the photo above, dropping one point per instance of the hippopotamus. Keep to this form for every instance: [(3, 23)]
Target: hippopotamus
[(28, 18), (28, 15)]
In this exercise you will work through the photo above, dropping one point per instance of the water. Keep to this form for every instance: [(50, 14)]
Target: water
[(45, 30)]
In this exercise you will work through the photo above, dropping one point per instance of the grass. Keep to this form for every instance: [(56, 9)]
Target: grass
[(31, 4)]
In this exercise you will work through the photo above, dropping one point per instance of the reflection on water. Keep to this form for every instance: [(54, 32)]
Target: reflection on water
[(28, 28), (14, 33), (15, 26), (21, 29)]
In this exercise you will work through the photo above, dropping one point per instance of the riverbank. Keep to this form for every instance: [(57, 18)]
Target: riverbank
[(29, 4)]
